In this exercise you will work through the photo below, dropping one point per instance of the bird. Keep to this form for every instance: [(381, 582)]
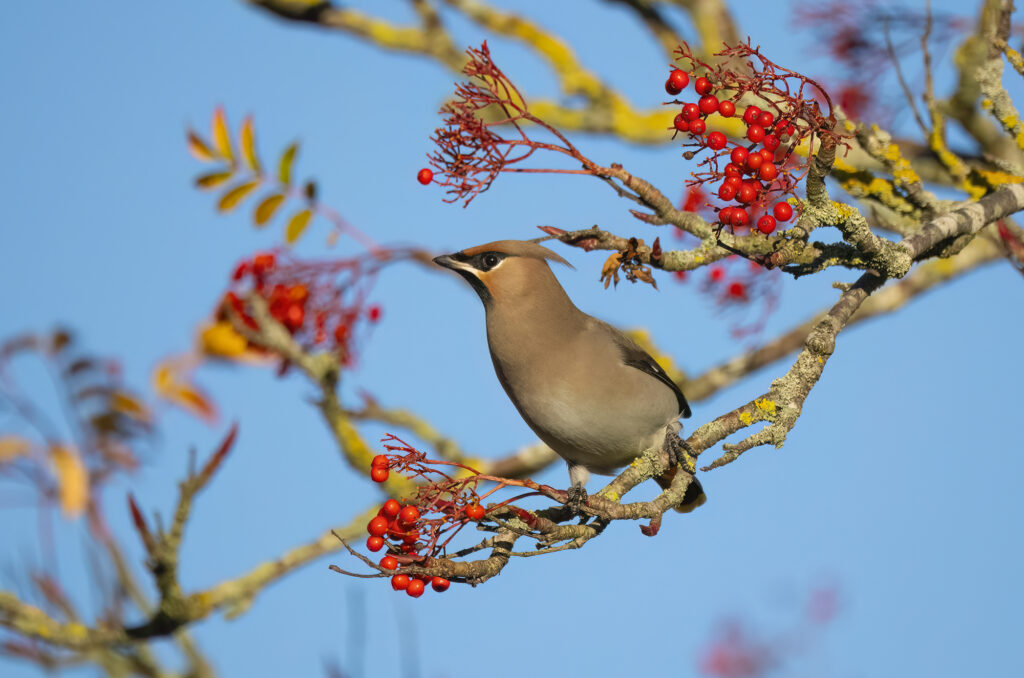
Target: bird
[(585, 388)]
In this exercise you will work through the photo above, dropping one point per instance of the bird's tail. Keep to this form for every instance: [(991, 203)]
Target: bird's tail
[(694, 496)]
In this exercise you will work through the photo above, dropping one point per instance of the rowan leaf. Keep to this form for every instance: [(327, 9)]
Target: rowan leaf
[(170, 385), (267, 208), (297, 226), (72, 480), (12, 447), (221, 135), (130, 406), (199, 149), (212, 179), (247, 139), (222, 340), (284, 167), (234, 196)]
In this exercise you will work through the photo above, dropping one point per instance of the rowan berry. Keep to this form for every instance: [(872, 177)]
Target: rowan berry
[(677, 82), (391, 509), (680, 123), (411, 537), (263, 263), (378, 527), (389, 563), (378, 475), (768, 172), (754, 161), (380, 461), (750, 115), (373, 313), (716, 141), (702, 86), (439, 584), (734, 180), (408, 515), (400, 582), (732, 170), (739, 155), (737, 290), (415, 588), (375, 543), (771, 142), (726, 109), (766, 224), (767, 155), (727, 191), (765, 119), (755, 133), (425, 176), (691, 111), (698, 126), (783, 211), (746, 194), (708, 104), (717, 273), (474, 511), (740, 217)]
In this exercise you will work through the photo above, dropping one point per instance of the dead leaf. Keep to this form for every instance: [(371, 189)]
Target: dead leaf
[(247, 139), (297, 225), (12, 447), (72, 480)]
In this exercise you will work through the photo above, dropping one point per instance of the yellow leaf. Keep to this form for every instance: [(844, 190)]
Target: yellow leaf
[(199, 148), (297, 225), (212, 179), (284, 168), (130, 406), (221, 340), (12, 447), (72, 480), (248, 142), (266, 209), (169, 385), (220, 134), (230, 199)]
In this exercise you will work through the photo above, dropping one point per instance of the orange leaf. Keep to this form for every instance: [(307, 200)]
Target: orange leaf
[(220, 134), (248, 142), (72, 480), (232, 197), (130, 406), (12, 447), (212, 179), (199, 148), (297, 225), (267, 208), (284, 167), (170, 386), (221, 340)]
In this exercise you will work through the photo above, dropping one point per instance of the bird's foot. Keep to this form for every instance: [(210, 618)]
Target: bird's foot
[(679, 453), (576, 498)]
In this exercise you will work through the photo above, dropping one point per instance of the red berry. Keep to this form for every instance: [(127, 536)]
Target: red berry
[(262, 263), (755, 133), (380, 461), (746, 194), (766, 224), (373, 313), (702, 86), (240, 271), (400, 582), (768, 172), (783, 211), (389, 563), (716, 141), (411, 537), (734, 180), (727, 191), (725, 215), (717, 273), (698, 126), (391, 509), (378, 527), (732, 170), (375, 543), (691, 111), (771, 142), (737, 290), (294, 317), (341, 334), (408, 515), (677, 82), (765, 119), (408, 548), (767, 155), (708, 104), (415, 588), (475, 512), (378, 475), (726, 109), (750, 115), (439, 584), (739, 155), (680, 123), (740, 217), (425, 176), (754, 161), (680, 275)]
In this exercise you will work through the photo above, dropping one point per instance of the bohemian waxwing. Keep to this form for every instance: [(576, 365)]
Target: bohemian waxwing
[(588, 391)]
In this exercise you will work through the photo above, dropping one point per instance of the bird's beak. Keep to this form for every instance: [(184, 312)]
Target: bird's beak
[(450, 261)]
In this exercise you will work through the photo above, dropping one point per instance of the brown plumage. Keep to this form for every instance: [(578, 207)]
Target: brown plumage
[(587, 390)]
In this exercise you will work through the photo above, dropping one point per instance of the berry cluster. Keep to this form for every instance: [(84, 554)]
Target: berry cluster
[(396, 526), (305, 297), (762, 166)]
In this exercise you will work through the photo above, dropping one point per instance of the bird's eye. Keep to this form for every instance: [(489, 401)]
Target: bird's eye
[(490, 260)]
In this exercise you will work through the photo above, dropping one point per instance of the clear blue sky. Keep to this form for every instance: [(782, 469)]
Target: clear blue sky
[(900, 484)]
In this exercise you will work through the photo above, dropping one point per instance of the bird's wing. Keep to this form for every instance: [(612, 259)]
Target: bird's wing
[(634, 356)]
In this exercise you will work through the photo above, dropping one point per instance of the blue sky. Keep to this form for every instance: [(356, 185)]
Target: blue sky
[(899, 484)]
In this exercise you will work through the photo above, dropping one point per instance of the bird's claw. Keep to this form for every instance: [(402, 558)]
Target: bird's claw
[(576, 498), (679, 452)]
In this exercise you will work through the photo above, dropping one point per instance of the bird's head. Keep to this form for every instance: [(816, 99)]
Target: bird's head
[(506, 269)]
